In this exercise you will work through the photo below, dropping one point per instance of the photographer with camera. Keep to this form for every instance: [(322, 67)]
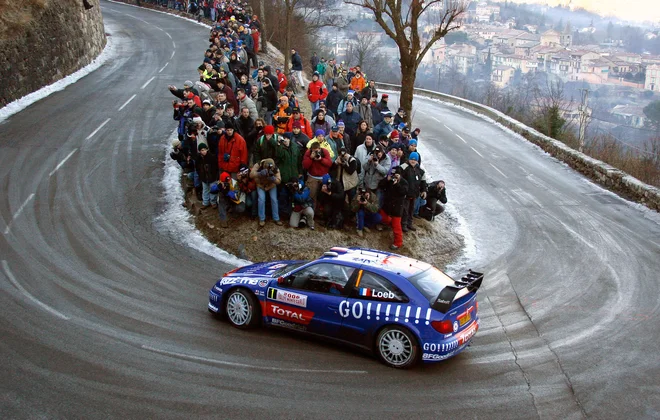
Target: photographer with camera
[(248, 187), (345, 169), (331, 199), (365, 206), (303, 205), (232, 150), (206, 165), (267, 176), (230, 197), (436, 194), (317, 163), (375, 170), (394, 189), (181, 156)]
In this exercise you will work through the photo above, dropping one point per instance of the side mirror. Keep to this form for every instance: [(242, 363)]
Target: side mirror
[(281, 280)]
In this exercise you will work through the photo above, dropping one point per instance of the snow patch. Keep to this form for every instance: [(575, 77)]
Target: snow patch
[(20, 104), (176, 219)]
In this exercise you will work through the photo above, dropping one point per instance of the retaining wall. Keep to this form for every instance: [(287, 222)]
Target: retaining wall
[(45, 40)]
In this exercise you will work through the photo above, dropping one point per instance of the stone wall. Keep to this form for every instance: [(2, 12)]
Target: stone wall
[(606, 175), (42, 41)]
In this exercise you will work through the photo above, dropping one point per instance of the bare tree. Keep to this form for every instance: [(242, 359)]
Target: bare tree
[(551, 104), (363, 51), (264, 38), (402, 20)]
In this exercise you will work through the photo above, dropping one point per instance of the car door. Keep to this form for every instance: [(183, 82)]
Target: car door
[(372, 302), (308, 299)]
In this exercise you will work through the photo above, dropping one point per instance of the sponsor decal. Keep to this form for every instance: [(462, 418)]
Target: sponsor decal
[(213, 308), (366, 292), (239, 280), (358, 309), (277, 266), (263, 283), (455, 326), (436, 357), (289, 313), (440, 347), (466, 335), (286, 296), (287, 324), (217, 289)]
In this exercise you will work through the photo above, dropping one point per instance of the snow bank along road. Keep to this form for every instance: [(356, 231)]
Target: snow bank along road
[(103, 313)]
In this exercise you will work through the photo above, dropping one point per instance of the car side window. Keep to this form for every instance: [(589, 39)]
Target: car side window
[(323, 278), (372, 286)]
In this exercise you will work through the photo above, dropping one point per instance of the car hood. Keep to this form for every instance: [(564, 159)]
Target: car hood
[(265, 269)]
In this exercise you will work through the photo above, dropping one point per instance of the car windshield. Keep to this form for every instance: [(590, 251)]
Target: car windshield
[(431, 282), (289, 267)]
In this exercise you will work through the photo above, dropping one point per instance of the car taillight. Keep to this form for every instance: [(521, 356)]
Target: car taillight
[(444, 327), (230, 272)]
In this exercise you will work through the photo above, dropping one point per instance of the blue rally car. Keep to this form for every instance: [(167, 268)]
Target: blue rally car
[(402, 309)]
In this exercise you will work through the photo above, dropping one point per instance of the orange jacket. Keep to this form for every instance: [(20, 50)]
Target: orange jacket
[(358, 83), (281, 118)]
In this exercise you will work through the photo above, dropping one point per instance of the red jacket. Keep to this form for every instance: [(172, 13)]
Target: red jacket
[(316, 91), (237, 150), (305, 126), (317, 168), (281, 78)]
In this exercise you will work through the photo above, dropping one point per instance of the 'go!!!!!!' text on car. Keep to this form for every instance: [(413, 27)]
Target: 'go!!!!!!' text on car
[(402, 309)]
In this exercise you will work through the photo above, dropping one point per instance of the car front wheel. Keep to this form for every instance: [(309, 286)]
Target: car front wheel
[(397, 347), (242, 309)]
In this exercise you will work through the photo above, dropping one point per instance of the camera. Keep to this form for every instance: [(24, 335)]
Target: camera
[(226, 157), (293, 186), (316, 154)]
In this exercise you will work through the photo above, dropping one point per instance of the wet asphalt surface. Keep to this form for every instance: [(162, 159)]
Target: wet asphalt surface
[(103, 312)]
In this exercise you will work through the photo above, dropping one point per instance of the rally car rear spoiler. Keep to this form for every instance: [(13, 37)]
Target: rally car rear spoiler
[(469, 283)]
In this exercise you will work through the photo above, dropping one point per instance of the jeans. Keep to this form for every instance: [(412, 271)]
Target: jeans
[(368, 219), (269, 117), (298, 74), (408, 208), (261, 193), (315, 106), (207, 197), (213, 14), (194, 177), (251, 202), (224, 202), (419, 202)]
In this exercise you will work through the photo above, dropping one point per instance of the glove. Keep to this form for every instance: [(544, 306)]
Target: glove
[(214, 188), (232, 195), (263, 172)]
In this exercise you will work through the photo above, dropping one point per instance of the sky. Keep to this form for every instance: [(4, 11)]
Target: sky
[(638, 10)]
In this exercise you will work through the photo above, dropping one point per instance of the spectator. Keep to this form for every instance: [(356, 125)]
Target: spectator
[(331, 199), (230, 197), (244, 84), (350, 98), (297, 67), (351, 118), (334, 99), (298, 137), (321, 123), (342, 83), (282, 115), (375, 168), (357, 82), (369, 91), (317, 163), (412, 147), (366, 115), (244, 124), (270, 99), (266, 144), (248, 187), (232, 151), (289, 160), (329, 116), (365, 206), (281, 78), (303, 205), (384, 127), (436, 194), (394, 158), (314, 61), (394, 189), (416, 179), (267, 177), (345, 170), (316, 91), (346, 138), (305, 125), (382, 105), (245, 101), (400, 117), (360, 135)]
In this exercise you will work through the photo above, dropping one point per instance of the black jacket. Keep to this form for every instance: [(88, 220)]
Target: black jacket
[(434, 194), (395, 194), (207, 167), (415, 178)]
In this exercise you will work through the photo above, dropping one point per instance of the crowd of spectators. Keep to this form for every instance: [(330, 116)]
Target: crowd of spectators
[(246, 145)]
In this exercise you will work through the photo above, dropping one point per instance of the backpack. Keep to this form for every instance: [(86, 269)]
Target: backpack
[(320, 68)]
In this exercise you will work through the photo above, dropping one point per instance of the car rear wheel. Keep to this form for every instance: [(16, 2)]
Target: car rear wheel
[(242, 309), (397, 347)]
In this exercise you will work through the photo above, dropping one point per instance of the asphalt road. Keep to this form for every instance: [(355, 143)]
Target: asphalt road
[(103, 310)]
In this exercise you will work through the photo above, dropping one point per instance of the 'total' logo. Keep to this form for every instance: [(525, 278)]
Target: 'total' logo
[(289, 313)]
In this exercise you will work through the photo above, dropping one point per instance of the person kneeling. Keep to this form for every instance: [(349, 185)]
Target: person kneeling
[(365, 207), (303, 205), (230, 197), (436, 194)]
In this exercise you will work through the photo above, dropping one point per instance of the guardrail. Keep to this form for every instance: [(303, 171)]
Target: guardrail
[(610, 177)]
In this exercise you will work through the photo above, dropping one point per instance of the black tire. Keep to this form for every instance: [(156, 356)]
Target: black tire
[(242, 309), (397, 347)]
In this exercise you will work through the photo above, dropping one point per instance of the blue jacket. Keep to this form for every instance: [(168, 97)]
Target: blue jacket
[(296, 62)]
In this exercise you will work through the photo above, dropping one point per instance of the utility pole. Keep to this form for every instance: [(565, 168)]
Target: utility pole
[(585, 114)]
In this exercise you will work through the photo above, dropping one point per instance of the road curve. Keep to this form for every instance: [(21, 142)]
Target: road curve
[(103, 310)]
